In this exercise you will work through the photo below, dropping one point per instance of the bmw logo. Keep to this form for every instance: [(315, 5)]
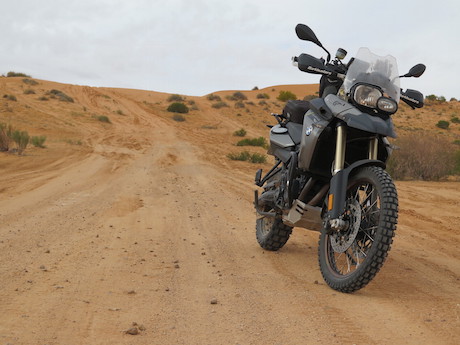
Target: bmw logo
[(309, 130)]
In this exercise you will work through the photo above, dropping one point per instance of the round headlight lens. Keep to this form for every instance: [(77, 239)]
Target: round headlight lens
[(387, 105), (367, 96)]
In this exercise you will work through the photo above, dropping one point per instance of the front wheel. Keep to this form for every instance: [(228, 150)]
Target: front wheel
[(350, 258), (271, 233)]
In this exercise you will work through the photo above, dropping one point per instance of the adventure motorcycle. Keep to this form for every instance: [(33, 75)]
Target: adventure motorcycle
[(329, 173)]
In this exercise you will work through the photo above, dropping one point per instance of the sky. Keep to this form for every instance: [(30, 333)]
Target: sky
[(195, 47)]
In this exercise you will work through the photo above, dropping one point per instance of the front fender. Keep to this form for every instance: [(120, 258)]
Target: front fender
[(339, 184)]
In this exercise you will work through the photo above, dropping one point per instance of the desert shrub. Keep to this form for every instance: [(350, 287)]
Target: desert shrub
[(120, 112), (16, 74), (176, 98), (237, 96), (240, 133), (103, 118), (309, 97), (38, 141), (178, 118), (219, 105), (455, 119), (10, 97), (213, 97), (456, 142), (421, 158), (21, 138), (178, 107), (260, 141), (434, 98), (5, 136), (239, 105), (285, 96), (442, 124), (30, 82), (246, 156), (42, 98), (263, 96), (29, 92), (262, 102), (60, 95), (453, 99), (255, 88)]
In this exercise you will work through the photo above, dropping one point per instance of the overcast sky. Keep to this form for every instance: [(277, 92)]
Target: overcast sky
[(195, 47)]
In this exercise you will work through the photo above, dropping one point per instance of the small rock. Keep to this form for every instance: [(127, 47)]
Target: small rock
[(132, 331), (214, 301), (131, 292), (176, 266), (316, 282), (142, 328), (114, 309)]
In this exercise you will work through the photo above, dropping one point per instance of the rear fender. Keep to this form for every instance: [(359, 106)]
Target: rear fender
[(339, 184)]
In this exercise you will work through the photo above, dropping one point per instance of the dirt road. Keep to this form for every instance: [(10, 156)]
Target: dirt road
[(163, 237)]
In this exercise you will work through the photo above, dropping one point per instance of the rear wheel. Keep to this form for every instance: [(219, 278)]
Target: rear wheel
[(350, 258)]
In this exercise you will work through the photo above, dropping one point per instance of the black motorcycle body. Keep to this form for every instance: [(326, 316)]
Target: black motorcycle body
[(330, 155)]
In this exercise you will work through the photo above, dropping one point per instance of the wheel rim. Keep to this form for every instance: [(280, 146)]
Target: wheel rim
[(348, 250), (266, 223)]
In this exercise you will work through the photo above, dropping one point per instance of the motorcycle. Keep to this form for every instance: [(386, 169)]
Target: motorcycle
[(330, 159)]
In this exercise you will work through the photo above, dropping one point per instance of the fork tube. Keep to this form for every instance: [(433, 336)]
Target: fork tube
[(373, 148), (340, 146)]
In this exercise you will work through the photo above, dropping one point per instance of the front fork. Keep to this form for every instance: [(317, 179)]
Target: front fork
[(340, 174)]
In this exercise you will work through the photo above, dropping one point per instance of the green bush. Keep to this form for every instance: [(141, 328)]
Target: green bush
[(178, 118), (240, 133), (455, 119), (260, 141), (29, 92), (38, 141), (263, 96), (242, 156), (176, 98), (246, 156), (15, 74), (178, 107), (442, 124), (21, 138), (285, 96)]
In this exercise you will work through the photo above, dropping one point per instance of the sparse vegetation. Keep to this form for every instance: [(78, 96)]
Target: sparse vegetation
[(263, 96), (260, 141), (213, 97), (21, 138), (178, 107), (60, 95), (38, 141), (103, 118), (285, 96), (219, 105), (237, 96), (434, 98), (42, 98), (176, 98), (455, 119), (178, 118), (421, 158), (5, 136), (120, 112), (239, 105), (16, 74), (240, 133), (246, 156), (30, 82), (10, 97), (29, 92), (443, 124)]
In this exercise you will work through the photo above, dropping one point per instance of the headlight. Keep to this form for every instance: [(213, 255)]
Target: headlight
[(367, 95), (387, 105)]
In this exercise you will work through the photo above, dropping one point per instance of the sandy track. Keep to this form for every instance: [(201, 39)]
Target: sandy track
[(154, 237)]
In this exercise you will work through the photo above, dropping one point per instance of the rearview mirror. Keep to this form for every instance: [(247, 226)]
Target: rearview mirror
[(305, 33), (415, 71)]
